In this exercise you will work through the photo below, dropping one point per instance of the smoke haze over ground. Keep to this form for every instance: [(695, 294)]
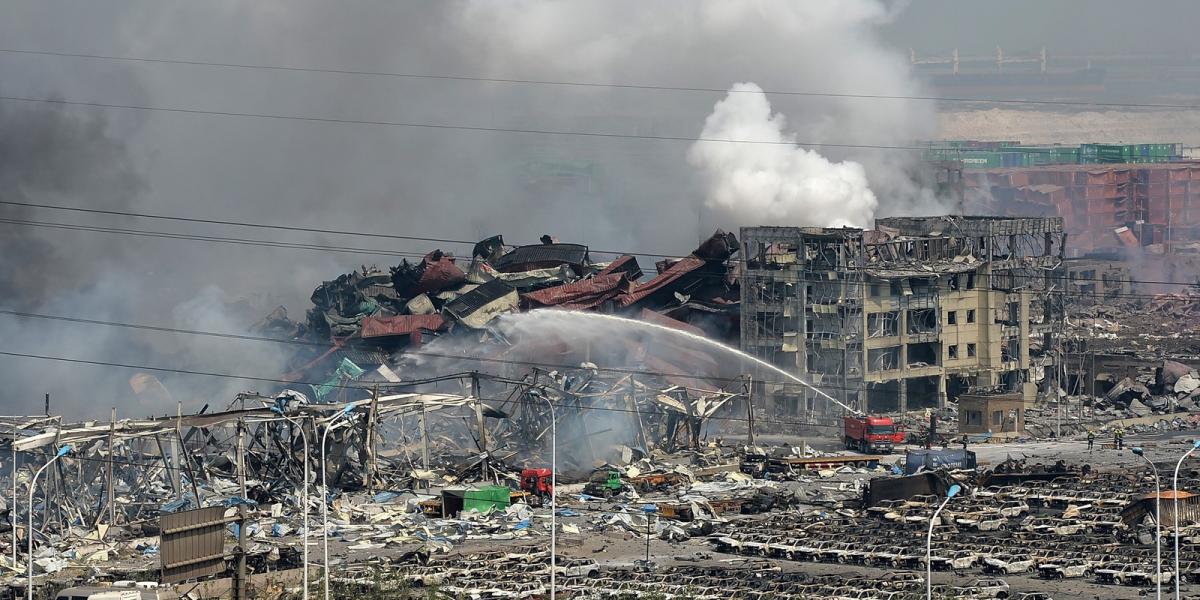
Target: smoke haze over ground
[(628, 194)]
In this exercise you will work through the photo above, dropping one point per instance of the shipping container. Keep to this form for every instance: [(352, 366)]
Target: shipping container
[(486, 498), (1008, 154)]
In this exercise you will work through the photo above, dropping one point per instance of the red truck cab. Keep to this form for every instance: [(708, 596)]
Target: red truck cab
[(869, 434), (537, 482)]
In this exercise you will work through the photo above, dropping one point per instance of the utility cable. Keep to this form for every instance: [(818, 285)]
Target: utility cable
[(417, 354), (588, 84), (491, 129), (381, 252), (420, 353), (366, 388), (214, 239)]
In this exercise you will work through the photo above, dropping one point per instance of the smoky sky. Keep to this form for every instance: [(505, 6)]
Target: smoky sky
[(1102, 27), (626, 194)]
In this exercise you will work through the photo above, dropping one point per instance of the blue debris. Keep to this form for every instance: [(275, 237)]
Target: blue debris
[(383, 497)]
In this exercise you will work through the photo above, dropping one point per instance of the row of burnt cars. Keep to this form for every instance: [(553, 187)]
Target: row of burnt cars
[(523, 572), (1056, 529)]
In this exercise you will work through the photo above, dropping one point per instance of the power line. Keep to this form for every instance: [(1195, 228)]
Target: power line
[(447, 126), (363, 388), (487, 129), (418, 354), (589, 84), (207, 238), (415, 255), (382, 252), (329, 346), (232, 223), (280, 227)]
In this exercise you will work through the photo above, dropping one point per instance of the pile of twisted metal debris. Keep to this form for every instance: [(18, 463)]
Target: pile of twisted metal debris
[(372, 315)]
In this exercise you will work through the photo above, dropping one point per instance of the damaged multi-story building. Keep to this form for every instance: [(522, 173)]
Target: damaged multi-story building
[(908, 315)]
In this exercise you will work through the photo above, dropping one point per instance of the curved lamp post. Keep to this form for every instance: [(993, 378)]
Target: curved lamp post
[(329, 426), (29, 532), (1175, 508), (1157, 522), (304, 491), (950, 493)]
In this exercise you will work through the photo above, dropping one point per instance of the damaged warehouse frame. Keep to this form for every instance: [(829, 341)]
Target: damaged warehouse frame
[(125, 472), (891, 318)]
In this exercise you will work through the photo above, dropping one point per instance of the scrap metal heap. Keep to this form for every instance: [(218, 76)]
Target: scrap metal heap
[(371, 316), (1130, 346)]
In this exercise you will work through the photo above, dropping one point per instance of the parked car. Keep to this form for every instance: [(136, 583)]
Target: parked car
[(984, 588), (1013, 509), (1007, 564), (1065, 569), (1132, 574)]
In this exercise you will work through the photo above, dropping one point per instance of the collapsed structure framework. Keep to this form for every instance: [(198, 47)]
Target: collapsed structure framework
[(124, 474), (908, 315)]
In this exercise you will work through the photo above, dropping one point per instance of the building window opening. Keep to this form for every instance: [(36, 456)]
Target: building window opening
[(922, 320), (883, 324), (924, 355)]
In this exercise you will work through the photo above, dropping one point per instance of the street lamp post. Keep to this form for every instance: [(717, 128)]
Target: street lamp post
[(14, 502), (1175, 508), (553, 497), (1157, 523), (304, 490), (29, 531), (325, 493), (952, 492)]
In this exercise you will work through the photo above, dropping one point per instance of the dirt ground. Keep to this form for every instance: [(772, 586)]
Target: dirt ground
[(1071, 126)]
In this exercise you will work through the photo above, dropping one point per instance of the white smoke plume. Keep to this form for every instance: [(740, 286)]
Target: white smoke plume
[(774, 181)]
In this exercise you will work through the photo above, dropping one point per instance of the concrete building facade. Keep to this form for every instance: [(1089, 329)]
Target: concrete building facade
[(906, 316)]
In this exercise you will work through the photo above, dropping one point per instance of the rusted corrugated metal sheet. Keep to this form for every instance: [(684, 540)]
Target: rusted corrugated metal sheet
[(192, 544), (373, 327), (582, 294), (440, 273), (681, 268), (626, 264)]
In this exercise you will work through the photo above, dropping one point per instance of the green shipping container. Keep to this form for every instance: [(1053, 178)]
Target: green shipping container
[(982, 160), (487, 498)]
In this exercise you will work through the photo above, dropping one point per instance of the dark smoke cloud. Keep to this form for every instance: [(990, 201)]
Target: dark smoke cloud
[(46, 154), (625, 194)]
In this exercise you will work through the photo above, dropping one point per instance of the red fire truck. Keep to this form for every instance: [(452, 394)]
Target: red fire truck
[(869, 434)]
